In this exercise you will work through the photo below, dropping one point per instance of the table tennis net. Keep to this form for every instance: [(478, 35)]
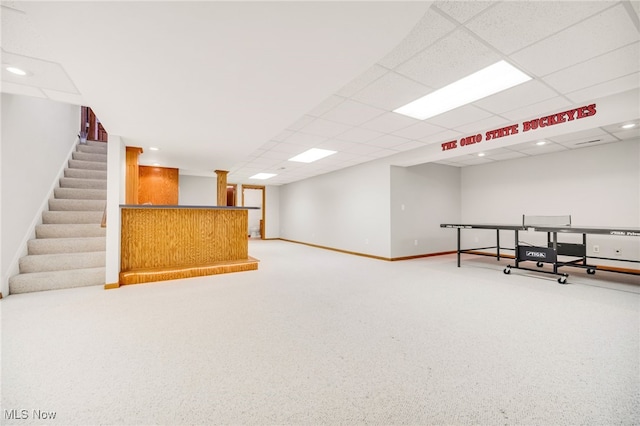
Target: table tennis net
[(528, 221)]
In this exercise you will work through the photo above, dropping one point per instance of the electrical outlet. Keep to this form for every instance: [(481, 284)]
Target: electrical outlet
[(366, 241), (402, 207), (596, 249), (415, 242)]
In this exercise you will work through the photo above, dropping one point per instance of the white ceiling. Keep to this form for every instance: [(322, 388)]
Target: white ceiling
[(245, 86)]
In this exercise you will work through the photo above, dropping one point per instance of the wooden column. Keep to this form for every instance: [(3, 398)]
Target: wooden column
[(222, 187), (132, 174)]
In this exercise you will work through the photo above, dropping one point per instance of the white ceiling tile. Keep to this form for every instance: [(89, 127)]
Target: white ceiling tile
[(326, 105), (273, 155), (618, 85), (359, 134), (42, 74), (563, 49), (361, 149), (408, 146), (513, 25), (449, 163), (388, 141), (584, 142), (389, 122), (610, 66), (429, 29), (441, 137), (337, 145), (462, 11), (326, 128), (362, 81), (282, 136), (301, 122), (19, 89), (459, 117), (381, 153), (538, 109), (519, 96), (581, 136), (267, 146), (301, 138), (489, 123), (504, 155), (391, 91), (538, 150), (452, 58), (419, 130), (289, 148), (67, 98), (475, 161), (627, 134), (352, 112)]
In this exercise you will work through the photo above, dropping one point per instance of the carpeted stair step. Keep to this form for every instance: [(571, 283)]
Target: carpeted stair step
[(92, 149), (88, 156), (76, 205), (61, 262), (80, 193), (87, 165), (72, 217), (73, 230), (56, 280), (66, 245), (85, 174), (67, 182)]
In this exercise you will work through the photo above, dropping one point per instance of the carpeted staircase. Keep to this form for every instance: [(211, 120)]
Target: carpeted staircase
[(69, 249)]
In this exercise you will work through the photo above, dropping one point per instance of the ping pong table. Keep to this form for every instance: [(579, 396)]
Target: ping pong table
[(552, 225)]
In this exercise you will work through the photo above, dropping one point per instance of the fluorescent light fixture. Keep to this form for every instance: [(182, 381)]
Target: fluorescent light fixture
[(629, 126), (153, 148), (312, 155), (263, 176), (486, 82), (540, 143), (482, 154), (16, 71)]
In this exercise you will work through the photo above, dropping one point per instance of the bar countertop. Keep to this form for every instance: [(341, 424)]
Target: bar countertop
[(161, 206)]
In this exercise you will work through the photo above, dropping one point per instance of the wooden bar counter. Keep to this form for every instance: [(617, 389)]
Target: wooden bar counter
[(161, 243)]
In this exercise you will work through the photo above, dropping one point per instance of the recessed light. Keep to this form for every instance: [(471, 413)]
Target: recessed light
[(312, 155), (486, 82), (629, 126), (540, 143), (481, 154), (263, 176), (153, 148), (16, 71)]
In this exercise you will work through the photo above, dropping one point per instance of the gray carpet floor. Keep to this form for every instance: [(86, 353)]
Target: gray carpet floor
[(320, 337)]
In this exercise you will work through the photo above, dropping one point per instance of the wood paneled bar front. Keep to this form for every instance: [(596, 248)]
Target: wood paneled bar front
[(161, 243)]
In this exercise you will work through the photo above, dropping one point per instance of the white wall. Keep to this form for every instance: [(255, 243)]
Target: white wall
[(253, 198), (597, 186), (37, 138), (197, 191), (272, 212), (116, 182), (423, 197), (347, 209)]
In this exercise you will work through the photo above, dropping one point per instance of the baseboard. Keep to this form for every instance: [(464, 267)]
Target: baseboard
[(0, 295), (111, 286), (371, 256)]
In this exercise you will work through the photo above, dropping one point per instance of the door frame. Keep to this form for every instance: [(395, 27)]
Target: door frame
[(264, 205)]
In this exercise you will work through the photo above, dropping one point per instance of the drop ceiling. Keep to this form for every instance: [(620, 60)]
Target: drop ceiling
[(244, 86)]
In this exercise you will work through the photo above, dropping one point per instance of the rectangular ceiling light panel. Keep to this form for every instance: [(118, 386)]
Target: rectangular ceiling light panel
[(486, 82), (312, 155), (263, 176)]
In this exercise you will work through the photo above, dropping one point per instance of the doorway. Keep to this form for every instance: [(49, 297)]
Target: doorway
[(254, 196)]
